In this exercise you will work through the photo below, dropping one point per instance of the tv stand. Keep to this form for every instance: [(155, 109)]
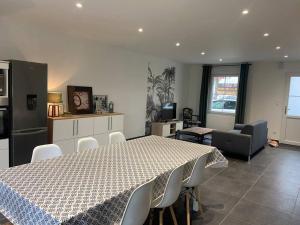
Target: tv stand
[(166, 129)]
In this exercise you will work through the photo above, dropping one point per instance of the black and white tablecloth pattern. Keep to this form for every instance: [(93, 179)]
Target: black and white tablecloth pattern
[(93, 187)]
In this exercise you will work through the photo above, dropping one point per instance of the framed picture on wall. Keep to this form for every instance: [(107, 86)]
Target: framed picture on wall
[(80, 99)]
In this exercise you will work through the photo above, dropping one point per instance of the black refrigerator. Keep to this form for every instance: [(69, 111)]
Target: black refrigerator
[(28, 109)]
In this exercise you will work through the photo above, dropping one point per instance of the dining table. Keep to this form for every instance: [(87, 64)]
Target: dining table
[(93, 187)]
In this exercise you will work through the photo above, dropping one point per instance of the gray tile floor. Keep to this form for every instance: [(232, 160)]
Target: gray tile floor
[(265, 191)]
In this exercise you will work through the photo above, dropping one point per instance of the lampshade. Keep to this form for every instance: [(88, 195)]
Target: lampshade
[(54, 97)]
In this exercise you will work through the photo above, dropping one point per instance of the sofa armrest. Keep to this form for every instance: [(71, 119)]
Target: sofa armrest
[(239, 126), (240, 144)]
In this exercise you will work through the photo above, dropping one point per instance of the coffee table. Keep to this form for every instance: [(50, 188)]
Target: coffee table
[(197, 132)]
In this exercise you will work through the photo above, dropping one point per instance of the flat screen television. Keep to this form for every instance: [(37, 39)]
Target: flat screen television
[(168, 111)]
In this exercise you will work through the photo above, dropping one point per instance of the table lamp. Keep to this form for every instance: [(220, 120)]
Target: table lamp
[(54, 102)]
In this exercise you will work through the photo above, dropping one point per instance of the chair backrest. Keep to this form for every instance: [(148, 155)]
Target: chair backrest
[(138, 206), (197, 174), (116, 137), (172, 189), (44, 152), (187, 113), (87, 143)]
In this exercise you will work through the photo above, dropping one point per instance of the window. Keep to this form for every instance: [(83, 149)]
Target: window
[(293, 108), (224, 91)]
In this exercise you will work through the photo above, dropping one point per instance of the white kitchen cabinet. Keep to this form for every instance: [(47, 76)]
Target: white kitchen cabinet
[(4, 154), (67, 146), (65, 131), (101, 124), (102, 138), (117, 123), (84, 127)]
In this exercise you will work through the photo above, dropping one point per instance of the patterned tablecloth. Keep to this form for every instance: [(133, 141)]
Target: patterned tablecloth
[(93, 187)]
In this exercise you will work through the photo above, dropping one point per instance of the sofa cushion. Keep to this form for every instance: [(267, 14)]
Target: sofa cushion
[(235, 131)]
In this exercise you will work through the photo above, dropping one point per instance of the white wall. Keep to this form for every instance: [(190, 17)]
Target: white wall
[(265, 95), (193, 80), (119, 73), (218, 120), (267, 92)]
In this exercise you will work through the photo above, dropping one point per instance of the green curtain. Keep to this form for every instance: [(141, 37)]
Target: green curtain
[(242, 94), (206, 75)]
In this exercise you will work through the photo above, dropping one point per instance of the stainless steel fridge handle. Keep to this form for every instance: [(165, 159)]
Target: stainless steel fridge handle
[(108, 123), (77, 127), (111, 123), (29, 132), (73, 127)]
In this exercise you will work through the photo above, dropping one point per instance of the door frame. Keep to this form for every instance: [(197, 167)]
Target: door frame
[(283, 140)]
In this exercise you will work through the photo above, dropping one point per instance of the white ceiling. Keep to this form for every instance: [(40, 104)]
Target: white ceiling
[(214, 26)]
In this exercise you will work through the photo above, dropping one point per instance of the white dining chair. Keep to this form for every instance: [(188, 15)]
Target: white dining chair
[(116, 137), (138, 206), (87, 143), (170, 195), (192, 182), (44, 152)]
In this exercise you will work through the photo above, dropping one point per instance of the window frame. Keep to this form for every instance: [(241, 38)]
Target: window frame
[(210, 94)]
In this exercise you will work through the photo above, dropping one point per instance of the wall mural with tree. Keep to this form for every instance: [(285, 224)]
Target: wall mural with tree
[(160, 89)]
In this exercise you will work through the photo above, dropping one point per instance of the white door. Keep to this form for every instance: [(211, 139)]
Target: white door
[(63, 129), (291, 120), (84, 127), (117, 123)]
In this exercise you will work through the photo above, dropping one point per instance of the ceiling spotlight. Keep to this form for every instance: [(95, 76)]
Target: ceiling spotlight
[(202, 53), (177, 44), (286, 56), (79, 5), (221, 60), (245, 11), (278, 48), (266, 34), (141, 30)]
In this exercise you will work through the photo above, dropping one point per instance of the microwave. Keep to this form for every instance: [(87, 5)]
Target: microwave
[(2, 84)]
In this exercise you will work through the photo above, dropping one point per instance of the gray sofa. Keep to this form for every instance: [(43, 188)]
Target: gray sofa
[(244, 140)]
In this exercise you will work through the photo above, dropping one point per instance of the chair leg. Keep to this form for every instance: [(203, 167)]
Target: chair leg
[(173, 215), (151, 217), (198, 197), (188, 215), (161, 217)]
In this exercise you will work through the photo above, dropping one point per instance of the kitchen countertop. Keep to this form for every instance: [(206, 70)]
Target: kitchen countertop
[(70, 116)]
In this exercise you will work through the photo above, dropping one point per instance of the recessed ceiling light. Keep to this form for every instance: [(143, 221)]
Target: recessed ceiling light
[(203, 53), (266, 34), (79, 5), (286, 56), (177, 44), (221, 60), (245, 11), (278, 48), (141, 30)]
